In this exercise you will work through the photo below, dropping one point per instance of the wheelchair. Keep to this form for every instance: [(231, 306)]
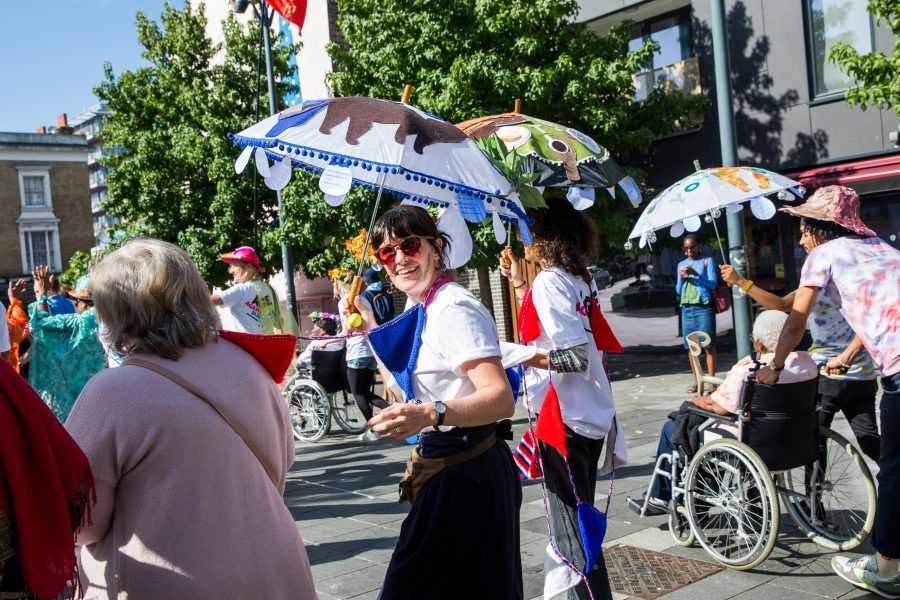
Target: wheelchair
[(727, 496), (317, 395)]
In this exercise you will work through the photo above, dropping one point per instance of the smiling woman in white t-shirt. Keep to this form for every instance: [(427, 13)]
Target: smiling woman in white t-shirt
[(562, 299), (467, 514)]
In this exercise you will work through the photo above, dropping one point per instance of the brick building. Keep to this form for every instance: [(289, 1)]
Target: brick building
[(45, 204)]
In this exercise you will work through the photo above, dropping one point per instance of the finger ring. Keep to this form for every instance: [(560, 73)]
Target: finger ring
[(397, 430)]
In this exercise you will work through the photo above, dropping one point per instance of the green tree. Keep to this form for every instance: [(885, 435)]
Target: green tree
[(876, 76), (78, 266), (467, 58), (172, 172)]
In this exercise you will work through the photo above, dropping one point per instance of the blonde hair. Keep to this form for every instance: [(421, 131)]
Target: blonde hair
[(152, 299)]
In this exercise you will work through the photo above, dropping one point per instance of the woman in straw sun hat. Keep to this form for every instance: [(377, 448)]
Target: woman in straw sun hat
[(860, 272)]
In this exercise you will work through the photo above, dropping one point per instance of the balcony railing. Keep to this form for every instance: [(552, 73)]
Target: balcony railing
[(683, 76)]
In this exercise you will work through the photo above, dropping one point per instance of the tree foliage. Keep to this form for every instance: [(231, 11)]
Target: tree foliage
[(468, 58), (876, 77), (172, 169)]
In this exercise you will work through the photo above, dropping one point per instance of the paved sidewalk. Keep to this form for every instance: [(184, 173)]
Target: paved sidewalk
[(343, 495)]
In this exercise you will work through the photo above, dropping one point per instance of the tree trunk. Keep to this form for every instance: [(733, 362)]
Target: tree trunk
[(484, 289)]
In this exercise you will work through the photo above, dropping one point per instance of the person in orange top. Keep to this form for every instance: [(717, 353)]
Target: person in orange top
[(17, 319)]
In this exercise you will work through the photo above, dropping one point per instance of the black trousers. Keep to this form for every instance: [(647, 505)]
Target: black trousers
[(361, 382), (856, 399), (584, 456), (460, 540)]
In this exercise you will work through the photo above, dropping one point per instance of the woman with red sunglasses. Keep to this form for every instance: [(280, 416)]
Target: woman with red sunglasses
[(467, 514)]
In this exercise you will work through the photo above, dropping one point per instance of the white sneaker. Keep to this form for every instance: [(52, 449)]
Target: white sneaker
[(863, 572), (369, 436)]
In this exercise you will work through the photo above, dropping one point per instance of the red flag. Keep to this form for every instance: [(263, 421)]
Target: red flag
[(274, 352), (292, 10), (550, 428)]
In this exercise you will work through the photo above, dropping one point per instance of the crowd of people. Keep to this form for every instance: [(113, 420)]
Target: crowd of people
[(172, 482)]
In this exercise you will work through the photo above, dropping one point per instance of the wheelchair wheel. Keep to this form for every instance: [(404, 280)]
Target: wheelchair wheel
[(833, 503), (310, 411), (347, 413), (732, 504), (680, 527)]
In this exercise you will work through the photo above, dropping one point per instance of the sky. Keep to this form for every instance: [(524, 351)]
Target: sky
[(53, 53)]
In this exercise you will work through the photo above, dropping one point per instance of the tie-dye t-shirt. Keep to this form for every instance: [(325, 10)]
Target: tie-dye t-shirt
[(831, 334), (862, 278)]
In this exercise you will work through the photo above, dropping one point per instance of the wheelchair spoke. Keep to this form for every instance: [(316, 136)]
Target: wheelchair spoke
[(730, 504), (833, 502)]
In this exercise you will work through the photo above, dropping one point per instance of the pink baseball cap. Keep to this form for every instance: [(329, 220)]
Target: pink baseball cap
[(834, 203), (245, 254)]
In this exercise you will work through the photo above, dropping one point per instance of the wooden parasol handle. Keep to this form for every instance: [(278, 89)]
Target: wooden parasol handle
[(407, 92), (518, 108)]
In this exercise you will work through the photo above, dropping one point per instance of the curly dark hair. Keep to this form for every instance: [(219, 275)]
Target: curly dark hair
[(564, 237), (825, 230), (405, 221)]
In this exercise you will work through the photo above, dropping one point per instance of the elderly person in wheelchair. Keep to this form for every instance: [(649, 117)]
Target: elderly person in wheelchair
[(767, 451), (725, 399)]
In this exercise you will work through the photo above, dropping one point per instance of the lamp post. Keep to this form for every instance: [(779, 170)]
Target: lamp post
[(265, 15), (725, 109)]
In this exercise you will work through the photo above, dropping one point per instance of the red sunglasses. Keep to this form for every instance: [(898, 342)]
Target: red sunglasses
[(410, 246)]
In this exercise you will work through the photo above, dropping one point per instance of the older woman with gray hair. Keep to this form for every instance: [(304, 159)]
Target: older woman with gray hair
[(725, 400), (189, 442)]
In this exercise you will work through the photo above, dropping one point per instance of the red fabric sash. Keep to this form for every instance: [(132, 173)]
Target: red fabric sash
[(46, 486), (604, 338)]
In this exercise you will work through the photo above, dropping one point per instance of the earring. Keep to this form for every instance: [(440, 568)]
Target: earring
[(391, 289)]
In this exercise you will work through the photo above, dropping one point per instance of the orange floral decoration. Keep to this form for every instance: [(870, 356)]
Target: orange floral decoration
[(355, 246)]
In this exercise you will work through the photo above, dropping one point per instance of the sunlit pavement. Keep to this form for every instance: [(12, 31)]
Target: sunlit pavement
[(343, 495)]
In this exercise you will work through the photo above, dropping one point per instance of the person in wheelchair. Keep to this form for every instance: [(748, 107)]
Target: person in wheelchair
[(326, 324), (725, 400)]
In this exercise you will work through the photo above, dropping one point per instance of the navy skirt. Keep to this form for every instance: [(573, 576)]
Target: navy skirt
[(461, 537)]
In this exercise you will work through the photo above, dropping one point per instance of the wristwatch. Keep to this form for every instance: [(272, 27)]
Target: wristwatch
[(776, 368), (440, 408)]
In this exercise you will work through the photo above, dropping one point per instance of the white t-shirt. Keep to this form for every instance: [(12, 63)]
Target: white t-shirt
[(458, 329), (357, 346), (4, 330), (243, 312), (562, 302)]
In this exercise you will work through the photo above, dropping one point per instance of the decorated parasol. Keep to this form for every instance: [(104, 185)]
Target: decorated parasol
[(706, 193), (387, 146), (560, 156)]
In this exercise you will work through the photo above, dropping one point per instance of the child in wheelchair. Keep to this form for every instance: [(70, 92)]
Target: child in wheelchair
[(325, 324), (682, 428)]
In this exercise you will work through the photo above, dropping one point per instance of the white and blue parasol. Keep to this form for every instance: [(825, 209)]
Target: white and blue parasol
[(383, 145)]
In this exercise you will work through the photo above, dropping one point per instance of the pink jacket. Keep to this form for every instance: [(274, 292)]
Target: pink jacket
[(184, 508)]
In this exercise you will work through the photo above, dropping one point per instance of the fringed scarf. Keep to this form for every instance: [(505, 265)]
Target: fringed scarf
[(46, 487)]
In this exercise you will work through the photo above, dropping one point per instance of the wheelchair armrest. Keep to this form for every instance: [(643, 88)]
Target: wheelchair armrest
[(711, 415), (713, 380)]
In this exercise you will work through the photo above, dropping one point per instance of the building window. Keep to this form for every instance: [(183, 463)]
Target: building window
[(674, 67), (830, 22), (34, 187), (40, 249), (34, 190)]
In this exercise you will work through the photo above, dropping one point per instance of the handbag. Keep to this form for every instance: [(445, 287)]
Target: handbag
[(192, 389), (721, 296)]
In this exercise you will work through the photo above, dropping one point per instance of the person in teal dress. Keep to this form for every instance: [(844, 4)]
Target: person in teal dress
[(65, 348)]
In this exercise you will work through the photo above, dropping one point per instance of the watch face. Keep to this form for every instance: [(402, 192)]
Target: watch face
[(440, 408)]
